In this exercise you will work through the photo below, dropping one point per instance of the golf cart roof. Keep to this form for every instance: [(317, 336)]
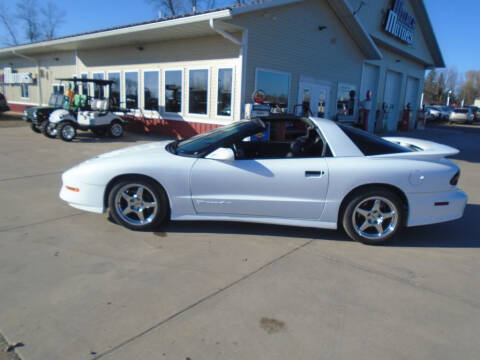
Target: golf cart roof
[(96, 81)]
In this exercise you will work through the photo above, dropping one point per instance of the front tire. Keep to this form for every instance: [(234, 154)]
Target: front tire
[(116, 129), (67, 131), (35, 128), (138, 204), (49, 129), (374, 216)]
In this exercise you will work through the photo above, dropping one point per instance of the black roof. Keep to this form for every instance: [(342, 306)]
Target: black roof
[(96, 81)]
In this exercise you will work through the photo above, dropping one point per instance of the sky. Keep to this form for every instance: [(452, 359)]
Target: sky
[(456, 23)]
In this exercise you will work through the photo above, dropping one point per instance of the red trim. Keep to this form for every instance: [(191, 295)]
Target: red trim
[(171, 128), (18, 108)]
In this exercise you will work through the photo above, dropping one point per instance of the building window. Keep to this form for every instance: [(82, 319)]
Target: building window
[(98, 91), (150, 91), (275, 85), (24, 90), (84, 86), (173, 91), (198, 95), (131, 89), (224, 96), (58, 89), (114, 88)]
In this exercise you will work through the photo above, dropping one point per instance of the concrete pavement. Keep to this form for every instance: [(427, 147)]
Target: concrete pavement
[(74, 285)]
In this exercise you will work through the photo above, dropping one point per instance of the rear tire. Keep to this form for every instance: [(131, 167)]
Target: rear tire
[(49, 129), (35, 128), (116, 129), (373, 217), (67, 131), (138, 204)]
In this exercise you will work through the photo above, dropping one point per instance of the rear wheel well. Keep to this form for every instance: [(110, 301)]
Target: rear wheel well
[(366, 187), (116, 179)]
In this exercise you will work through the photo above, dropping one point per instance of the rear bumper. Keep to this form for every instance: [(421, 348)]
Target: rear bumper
[(432, 208)]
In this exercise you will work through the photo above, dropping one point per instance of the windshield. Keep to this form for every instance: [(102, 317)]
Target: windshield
[(203, 142), (55, 100), (370, 144)]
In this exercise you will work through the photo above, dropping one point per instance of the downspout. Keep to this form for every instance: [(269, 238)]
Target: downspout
[(243, 54), (39, 85)]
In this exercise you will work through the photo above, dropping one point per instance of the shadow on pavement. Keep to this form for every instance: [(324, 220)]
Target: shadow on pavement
[(462, 233)]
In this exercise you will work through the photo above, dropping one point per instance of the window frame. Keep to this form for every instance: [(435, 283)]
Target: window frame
[(58, 85), (125, 72), (119, 72), (225, 117), (92, 85), (182, 97), (86, 84), (24, 90), (289, 74), (159, 78), (207, 114)]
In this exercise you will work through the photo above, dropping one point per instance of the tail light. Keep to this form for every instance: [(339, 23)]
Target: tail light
[(455, 179)]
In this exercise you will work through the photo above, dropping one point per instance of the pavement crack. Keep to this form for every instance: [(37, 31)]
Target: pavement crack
[(406, 281), (5, 229), (31, 176), (200, 301)]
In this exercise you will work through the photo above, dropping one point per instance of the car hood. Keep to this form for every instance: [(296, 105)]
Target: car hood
[(145, 149)]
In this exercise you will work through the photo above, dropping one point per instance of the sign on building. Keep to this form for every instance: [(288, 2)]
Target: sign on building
[(10, 77), (400, 23)]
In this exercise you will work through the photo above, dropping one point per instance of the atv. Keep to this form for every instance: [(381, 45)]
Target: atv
[(87, 113)]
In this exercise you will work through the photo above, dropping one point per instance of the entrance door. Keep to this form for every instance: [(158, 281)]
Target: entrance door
[(317, 96), (370, 82), (411, 97), (391, 97), (293, 188)]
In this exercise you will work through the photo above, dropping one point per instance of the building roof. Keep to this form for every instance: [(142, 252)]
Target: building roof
[(197, 24)]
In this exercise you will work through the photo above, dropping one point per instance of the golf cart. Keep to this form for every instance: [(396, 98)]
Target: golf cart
[(37, 116), (97, 114)]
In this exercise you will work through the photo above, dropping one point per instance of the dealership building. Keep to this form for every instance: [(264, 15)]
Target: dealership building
[(188, 74)]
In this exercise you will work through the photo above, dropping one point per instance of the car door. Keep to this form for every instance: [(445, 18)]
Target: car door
[(282, 188)]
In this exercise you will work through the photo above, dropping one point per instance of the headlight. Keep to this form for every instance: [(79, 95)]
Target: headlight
[(25, 112), (35, 115)]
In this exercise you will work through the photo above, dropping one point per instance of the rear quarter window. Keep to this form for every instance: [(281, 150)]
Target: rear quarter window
[(370, 144)]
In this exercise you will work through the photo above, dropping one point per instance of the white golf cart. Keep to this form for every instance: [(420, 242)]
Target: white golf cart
[(88, 113)]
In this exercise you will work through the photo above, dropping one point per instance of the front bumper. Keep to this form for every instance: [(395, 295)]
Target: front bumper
[(88, 198), (423, 211)]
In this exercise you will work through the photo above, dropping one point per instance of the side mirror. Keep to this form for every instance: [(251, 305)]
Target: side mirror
[(223, 154)]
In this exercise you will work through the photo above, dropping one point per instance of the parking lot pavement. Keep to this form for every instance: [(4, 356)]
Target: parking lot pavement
[(74, 285)]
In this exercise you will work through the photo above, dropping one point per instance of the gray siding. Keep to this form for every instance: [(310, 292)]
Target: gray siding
[(287, 39)]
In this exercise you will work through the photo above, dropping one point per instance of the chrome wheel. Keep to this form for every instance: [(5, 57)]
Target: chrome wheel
[(375, 218), (51, 129), (136, 204), (68, 132), (116, 129)]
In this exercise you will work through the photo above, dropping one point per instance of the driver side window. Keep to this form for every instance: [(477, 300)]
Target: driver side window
[(282, 139)]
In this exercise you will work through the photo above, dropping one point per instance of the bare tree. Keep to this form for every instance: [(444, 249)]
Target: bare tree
[(7, 21), (28, 15), (52, 17), (168, 7), (470, 89)]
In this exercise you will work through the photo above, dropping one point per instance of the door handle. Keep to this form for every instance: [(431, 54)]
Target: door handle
[(310, 173)]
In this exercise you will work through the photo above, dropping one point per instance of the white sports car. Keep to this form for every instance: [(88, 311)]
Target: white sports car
[(281, 170)]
